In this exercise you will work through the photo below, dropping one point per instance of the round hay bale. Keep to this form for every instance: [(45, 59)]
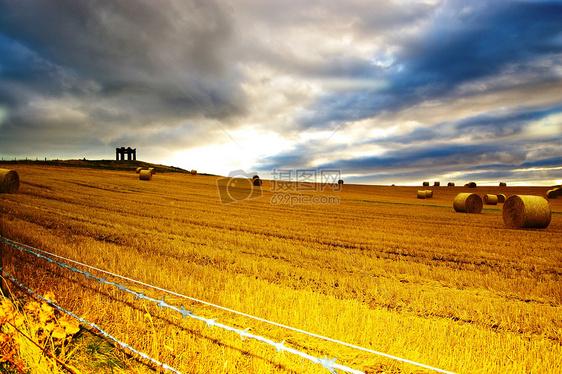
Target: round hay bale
[(436, 184), (340, 182), (490, 199), (425, 184), (467, 203), (138, 169), (145, 175), (428, 194), (257, 182), (470, 185), (421, 194), (450, 184), (9, 181), (503, 184), (152, 171), (501, 198), (526, 211), (193, 172), (551, 194)]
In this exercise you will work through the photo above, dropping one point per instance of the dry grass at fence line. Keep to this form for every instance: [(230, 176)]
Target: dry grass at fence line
[(24, 329)]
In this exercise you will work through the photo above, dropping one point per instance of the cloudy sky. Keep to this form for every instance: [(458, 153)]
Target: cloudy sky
[(386, 91)]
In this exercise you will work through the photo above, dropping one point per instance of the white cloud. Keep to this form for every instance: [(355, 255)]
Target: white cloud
[(546, 127), (238, 149)]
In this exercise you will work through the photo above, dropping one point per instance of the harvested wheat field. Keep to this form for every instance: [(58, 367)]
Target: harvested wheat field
[(381, 269)]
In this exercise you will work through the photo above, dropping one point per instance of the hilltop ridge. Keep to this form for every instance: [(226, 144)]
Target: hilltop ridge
[(101, 164)]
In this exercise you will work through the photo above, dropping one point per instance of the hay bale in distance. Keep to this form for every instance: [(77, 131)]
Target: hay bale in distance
[(193, 172), (425, 184), (554, 192), (257, 182), (428, 194), (138, 170), (422, 194), (501, 198), (503, 184), (9, 181), (467, 203), (340, 182), (526, 211), (152, 171), (436, 184), (490, 199), (470, 185), (450, 184), (145, 175)]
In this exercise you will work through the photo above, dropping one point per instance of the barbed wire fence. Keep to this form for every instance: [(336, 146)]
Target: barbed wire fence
[(91, 325), (328, 363)]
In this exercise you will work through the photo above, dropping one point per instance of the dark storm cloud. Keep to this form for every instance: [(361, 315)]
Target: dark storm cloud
[(123, 65), (487, 138), (553, 161), (479, 42), (442, 162), (123, 45), (491, 175), (466, 42), (523, 175), (432, 156), (480, 127), (514, 119)]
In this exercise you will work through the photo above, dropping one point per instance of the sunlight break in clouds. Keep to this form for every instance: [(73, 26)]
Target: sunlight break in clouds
[(240, 148)]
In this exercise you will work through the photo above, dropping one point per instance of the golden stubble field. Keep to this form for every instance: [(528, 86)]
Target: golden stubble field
[(381, 269)]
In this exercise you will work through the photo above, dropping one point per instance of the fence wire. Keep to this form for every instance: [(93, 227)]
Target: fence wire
[(327, 363), (91, 325)]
